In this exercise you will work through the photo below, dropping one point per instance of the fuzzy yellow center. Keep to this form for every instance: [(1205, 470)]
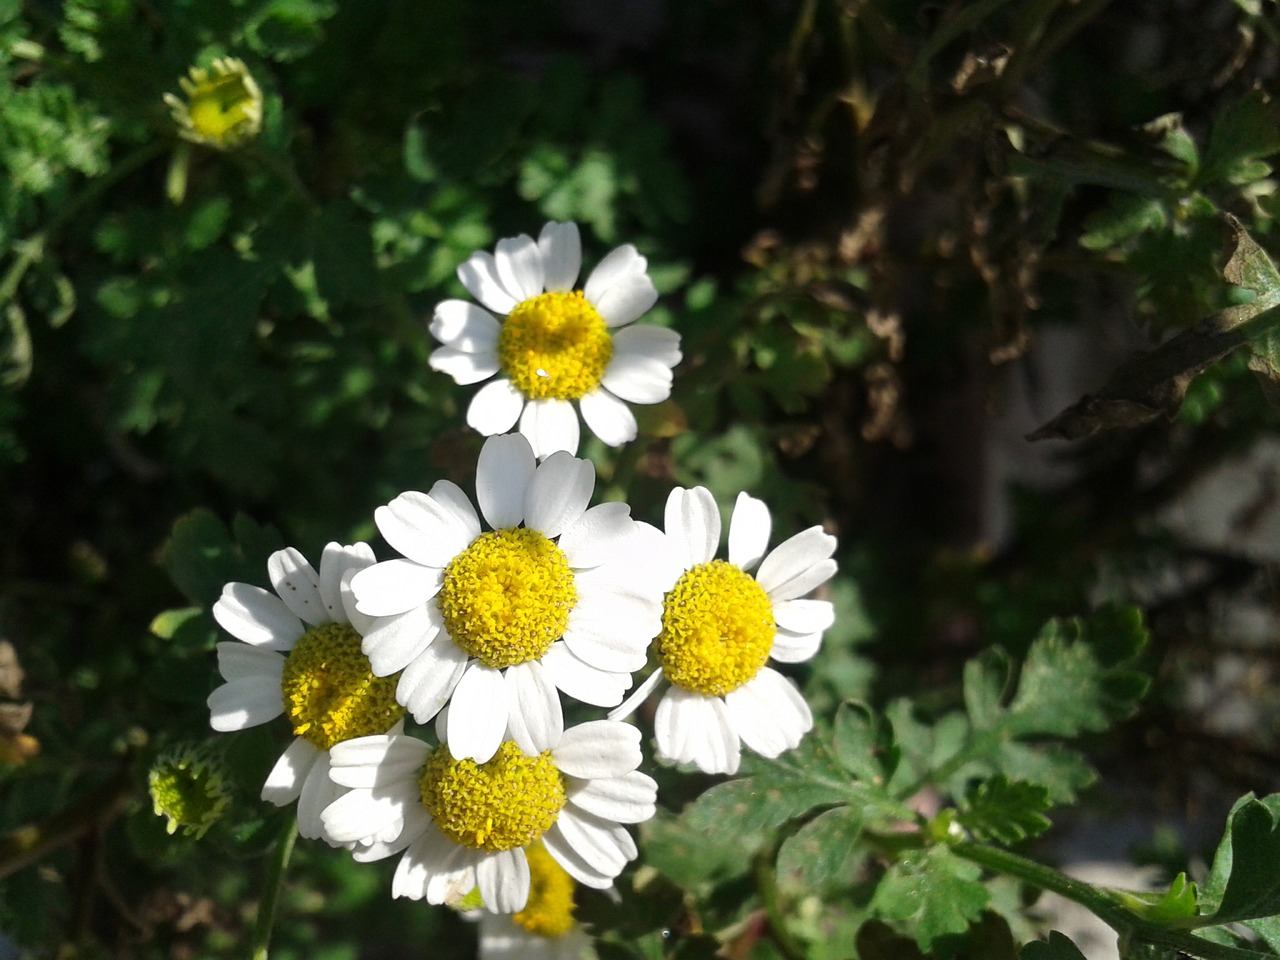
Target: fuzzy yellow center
[(507, 597), (330, 694), (555, 346), (506, 802), (717, 629), (549, 912)]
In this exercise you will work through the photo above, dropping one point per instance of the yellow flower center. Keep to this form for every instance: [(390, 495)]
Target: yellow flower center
[(330, 694), (554, 346), (506, 802), (549, 912), (224, 104), (717, 629), (507, 597)]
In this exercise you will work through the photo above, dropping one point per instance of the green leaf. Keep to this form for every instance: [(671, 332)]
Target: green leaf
[(1127, 216), (758, 803), (821, 852), (986, 684), (930, 894), (1244, 883), (1057, 947), (1245, 131), (1005, 811), (855, 742), (1178, 902)]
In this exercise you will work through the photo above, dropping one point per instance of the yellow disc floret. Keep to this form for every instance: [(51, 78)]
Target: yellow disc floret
[(506, 802), (717, 629), (223, 107), (330, 694), (507, 597), (555, 346), (549, 912)]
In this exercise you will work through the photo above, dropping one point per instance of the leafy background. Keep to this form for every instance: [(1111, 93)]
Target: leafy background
[(868, 220)]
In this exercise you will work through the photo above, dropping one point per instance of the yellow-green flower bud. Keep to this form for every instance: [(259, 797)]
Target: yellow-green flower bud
[(190, 785), (223, 105)]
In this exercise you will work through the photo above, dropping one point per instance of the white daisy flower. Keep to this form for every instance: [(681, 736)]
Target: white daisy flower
[(545, 928), (555, 345), (720, 625), (299, 654), (462, 824), (496, 622)]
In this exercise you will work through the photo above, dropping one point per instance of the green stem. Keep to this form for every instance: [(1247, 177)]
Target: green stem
[(767, 884), (271, 890), (1102, 904)]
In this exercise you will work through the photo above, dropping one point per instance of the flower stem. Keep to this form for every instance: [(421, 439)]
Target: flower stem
[(1128, 925), (767, 884), (271, 889)]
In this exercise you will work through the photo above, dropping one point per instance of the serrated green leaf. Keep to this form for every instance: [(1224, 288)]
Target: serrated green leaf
[(855, 742), (986, 683), (820, 853), (200, 556), (1244, 883), (752, 804), (1057, 947), (1245, 131), (930, 894), (690, 857), (1061, 771), (1268, 928), (1172, 136), (1127, 216), (1005, 811)]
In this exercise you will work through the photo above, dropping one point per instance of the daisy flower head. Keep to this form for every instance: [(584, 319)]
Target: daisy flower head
[(551, 345), (297, 653), (721, 624), (461, 825), (545, 928), (497, 622)]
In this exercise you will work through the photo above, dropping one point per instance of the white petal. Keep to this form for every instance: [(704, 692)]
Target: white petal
[(465, 368), (478, 713), (597, 535), (627, 300), (257, 616), (633, 615), (550, 426), (411, 876), (692, 521), (239, 661), (392, 643), (561, 249), (619, 264), (503, 879), (503, 474), (495, 408), (804, 616), (559, 493), (601, 644), (574, 863), (638, 696), (479, 274), (797, 565), (245, 703), (429, 681), (359, 814), (637, 378), (608, 417), (536, 720), (605, 846), (582, 681), (519, 266), (631, 798), (318, 791), (430, 528), (298, 585), (692, 728), (646, 340), (791, 647), (769, 713), (394, 587), (598, 748), (450, 869), (285, 780), (465, 327), (748, 531), (377, 761), (336, 563)]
